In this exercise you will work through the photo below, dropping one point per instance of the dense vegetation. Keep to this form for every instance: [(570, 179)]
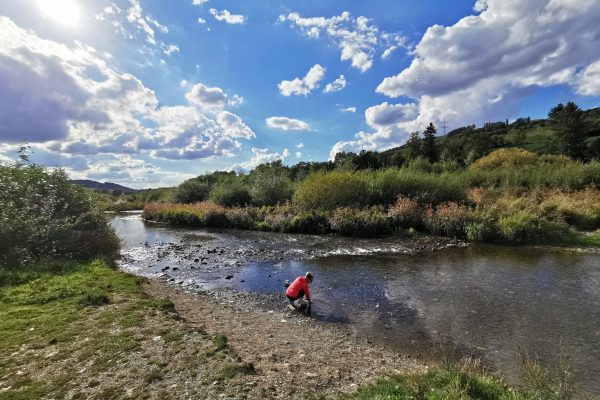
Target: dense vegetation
[(43, 215), (509, 196)]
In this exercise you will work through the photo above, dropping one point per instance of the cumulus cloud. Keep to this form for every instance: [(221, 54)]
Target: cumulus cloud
[(226, 16), (336, 85), (480, 68), (589, 82), (305, 85), (205, 96), (233, 125), (357, 38), (201, 21), (348, 109), (72, 103), (259, 156), (199, 2), (287, 124)]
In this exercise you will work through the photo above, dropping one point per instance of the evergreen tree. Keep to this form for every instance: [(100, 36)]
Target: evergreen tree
[(567, 122), (413, 146), (429, 150)]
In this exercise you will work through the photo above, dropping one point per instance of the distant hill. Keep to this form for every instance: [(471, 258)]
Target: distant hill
[(534, 135), (103, 186)]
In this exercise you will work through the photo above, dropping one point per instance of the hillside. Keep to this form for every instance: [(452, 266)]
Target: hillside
[(469, 142), (103, 186)]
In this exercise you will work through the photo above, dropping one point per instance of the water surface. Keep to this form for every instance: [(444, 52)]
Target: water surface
[(484, 300)]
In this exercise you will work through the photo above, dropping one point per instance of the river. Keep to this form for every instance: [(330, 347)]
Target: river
[(420, 297)]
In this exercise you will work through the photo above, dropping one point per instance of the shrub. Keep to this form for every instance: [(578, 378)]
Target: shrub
[(450, 219), (406, 213), (191, 191), (230, 192), (369, 222), (269, 189), (523, 227), (43, 215), (426, 188), (309, 222), (516, 157), (327, 191)]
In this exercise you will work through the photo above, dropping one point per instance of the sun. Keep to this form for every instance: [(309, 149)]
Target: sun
[(65, 12)]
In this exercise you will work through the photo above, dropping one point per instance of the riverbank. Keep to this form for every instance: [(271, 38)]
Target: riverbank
[(88, 331), (84, 330)]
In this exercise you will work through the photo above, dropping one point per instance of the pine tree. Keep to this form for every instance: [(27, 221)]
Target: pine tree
[(429, 150), (413, 146), (567, 122)]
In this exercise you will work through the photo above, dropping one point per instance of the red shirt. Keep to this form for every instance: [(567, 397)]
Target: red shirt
[(298, 285)]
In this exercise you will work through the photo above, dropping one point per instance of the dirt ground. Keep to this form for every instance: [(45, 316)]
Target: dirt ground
[(293, 356)]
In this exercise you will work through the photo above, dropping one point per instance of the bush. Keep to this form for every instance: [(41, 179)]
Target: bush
[(191, 191), (426, 188), (43, 215), (406, 213), (327, 191), (230, 192), (523, 227), (370, 222), (269, 189), (450, 219)]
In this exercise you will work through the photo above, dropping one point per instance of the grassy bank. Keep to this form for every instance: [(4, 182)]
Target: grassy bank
[(86, 331)]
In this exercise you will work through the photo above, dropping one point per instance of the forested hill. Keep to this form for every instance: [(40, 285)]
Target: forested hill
[(105, 186), (469, 143)]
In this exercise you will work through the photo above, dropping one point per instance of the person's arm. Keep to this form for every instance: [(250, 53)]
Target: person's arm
[(307, 291)]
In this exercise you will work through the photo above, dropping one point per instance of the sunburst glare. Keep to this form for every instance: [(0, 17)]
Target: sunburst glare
[(65, 12)]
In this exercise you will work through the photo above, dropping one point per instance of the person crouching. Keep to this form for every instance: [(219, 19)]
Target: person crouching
[(298, 290)]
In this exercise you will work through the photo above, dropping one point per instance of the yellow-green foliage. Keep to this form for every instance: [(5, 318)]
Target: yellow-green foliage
[(328, 191), (517, 157)]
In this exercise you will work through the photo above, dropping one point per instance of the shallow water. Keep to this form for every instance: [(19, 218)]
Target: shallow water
[(483, 300)]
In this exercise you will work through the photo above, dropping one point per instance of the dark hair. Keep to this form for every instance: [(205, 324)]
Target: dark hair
[(308, 275)]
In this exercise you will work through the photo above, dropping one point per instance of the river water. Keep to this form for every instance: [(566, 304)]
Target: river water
[(416, 296)]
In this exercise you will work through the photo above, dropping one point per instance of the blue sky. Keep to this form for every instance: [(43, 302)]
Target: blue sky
[(148, 93)]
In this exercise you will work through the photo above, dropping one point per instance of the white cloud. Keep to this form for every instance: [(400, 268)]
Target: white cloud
[(348, 109), (299, 145), (226, 16), (233, 125), (287, 124), (385, 114), (169, 49), (71, 103), (298, 154), (356, 38), (336, 85), (305, 85), (199, 2), (134, 23), (589, 82), (481, 68), (205, 96), (201, 21), (260, 156)]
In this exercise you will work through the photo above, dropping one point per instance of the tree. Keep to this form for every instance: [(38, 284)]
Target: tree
[(566, 120), (429, 150), (413, 146)]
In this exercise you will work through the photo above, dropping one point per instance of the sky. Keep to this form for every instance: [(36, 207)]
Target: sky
[(149, 93)]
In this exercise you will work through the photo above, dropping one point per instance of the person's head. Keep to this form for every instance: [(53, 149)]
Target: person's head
[(309, 277)]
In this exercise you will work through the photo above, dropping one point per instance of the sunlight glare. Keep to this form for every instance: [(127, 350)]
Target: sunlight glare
[(65, 12)]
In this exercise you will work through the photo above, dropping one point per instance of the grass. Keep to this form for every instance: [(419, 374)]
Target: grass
[(83, 329)]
